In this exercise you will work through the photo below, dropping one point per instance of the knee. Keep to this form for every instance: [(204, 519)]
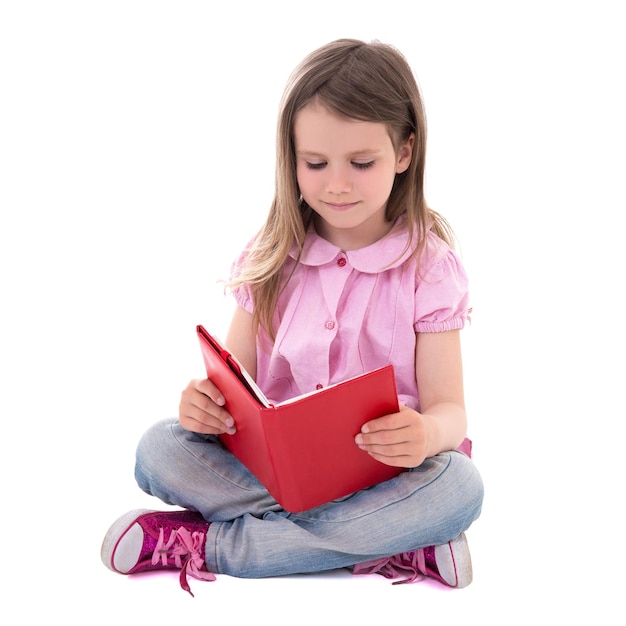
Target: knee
[(151, 451), (470, 489)]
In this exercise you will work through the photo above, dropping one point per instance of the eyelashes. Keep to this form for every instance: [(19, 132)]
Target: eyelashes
[(356, 164)]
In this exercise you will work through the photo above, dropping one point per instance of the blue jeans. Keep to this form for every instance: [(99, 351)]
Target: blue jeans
[(251, 536)]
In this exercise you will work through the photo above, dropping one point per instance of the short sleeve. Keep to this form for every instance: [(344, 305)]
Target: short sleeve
[(242, 293), (442, 294)]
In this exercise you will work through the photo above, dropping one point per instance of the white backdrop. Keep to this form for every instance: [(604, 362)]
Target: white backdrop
[(136, 156)]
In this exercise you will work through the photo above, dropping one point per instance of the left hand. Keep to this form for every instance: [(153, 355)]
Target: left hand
[(398, 439)]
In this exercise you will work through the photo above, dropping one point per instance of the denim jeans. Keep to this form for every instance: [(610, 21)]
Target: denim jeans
[(251, 536)]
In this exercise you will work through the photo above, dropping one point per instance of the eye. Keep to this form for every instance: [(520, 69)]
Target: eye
[(315, 166), (363, 166)]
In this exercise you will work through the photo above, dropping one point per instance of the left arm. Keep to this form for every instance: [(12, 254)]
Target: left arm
[(406, 438)]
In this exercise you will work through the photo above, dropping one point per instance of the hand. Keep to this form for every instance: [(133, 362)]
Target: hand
[(398, 439), (201, 409)]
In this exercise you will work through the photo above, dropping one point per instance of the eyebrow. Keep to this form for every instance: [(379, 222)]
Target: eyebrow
[(357, 153)]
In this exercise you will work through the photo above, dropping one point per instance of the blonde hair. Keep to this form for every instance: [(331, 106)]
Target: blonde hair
[(365, 81)]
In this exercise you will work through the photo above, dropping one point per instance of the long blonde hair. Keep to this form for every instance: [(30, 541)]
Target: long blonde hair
[(365, 81)]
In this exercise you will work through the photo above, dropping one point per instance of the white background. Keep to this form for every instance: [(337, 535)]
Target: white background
[(136, 158)]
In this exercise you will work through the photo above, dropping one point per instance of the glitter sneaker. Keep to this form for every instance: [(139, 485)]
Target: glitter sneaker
[(449, 563), (142, 541)]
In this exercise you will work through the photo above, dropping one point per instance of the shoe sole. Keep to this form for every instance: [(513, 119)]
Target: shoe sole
[(115, 534), (454, 562)]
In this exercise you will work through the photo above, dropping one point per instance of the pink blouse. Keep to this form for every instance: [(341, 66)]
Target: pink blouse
[(345, 313)]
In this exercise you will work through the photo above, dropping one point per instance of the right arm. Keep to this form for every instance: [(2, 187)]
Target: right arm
[(201, 407)]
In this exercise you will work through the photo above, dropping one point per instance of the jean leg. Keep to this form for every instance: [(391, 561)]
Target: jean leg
[(429, 505), (197, 473), (252, 536)]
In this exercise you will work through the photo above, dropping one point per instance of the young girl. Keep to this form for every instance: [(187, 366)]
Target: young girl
[(351, 271)]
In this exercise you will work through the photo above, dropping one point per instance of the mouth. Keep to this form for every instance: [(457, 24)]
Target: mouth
[(340, 206)]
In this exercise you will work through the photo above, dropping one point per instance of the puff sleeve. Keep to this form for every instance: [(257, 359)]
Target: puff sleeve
[(242, 293), (442, 293)]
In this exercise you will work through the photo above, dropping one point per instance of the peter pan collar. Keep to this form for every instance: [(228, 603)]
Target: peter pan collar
[(388, 252)]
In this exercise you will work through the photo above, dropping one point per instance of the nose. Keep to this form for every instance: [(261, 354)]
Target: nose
[(338, 181)]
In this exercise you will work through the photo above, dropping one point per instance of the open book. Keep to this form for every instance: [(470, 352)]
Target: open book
[(302, 450)]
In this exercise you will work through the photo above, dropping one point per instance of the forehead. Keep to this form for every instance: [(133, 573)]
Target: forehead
[(319, 130)]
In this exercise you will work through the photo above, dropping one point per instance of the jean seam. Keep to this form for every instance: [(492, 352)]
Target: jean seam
[(304, 518), (211, 468)]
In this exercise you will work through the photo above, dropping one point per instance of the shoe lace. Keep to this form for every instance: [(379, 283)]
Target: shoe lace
[(412, 565), (185, 548)]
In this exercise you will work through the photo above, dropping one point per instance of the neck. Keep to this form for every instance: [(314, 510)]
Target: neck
[(356, 238)]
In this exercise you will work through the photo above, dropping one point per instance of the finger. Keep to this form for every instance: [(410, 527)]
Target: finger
[(397, 461), (209, 389), (384, 437), (399, 455), (208, 405), (393, 450), (391, 421), (218, 422), (198, 407)]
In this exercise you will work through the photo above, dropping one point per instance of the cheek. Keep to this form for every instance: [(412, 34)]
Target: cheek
[(377, 186), (387, 181), (304, 178)]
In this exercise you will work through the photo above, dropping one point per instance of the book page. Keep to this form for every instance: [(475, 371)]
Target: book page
[(314, 391), (250, 384)]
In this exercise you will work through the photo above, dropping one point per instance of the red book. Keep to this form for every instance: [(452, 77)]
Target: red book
[(302, 450)]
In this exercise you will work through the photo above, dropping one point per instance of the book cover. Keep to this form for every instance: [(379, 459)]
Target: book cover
[(303, 450)]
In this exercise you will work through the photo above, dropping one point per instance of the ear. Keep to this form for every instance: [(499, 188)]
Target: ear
[(405, 153)]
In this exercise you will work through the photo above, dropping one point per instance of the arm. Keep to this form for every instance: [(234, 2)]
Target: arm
[(241, 339), (408, 437), (201, 407)]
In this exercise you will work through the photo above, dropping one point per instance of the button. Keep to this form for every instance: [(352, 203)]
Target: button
[(330, 325), (341, 261), (319, 386)]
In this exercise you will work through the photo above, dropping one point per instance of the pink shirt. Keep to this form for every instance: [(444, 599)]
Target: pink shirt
[(345, 313)]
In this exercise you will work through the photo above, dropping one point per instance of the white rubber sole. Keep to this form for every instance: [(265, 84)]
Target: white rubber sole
[(122, 544), (454, 562)]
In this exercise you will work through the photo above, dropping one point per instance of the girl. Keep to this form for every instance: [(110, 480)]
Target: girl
[(351, 271)]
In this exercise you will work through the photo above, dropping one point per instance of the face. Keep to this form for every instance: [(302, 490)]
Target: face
[(345, 170)]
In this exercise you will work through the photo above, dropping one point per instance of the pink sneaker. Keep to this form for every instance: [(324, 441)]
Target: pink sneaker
[(449, 563), (142, 540)]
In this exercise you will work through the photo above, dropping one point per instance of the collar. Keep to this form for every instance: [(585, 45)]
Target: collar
[(386, 253)]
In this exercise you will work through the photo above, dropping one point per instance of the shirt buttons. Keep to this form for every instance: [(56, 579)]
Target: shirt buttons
[(319, 386), (341, 261), (330, 325)]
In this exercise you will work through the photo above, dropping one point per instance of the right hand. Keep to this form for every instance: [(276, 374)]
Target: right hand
[(202, 409)]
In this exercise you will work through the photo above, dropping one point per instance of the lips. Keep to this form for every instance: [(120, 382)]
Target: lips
[(340, 206)]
